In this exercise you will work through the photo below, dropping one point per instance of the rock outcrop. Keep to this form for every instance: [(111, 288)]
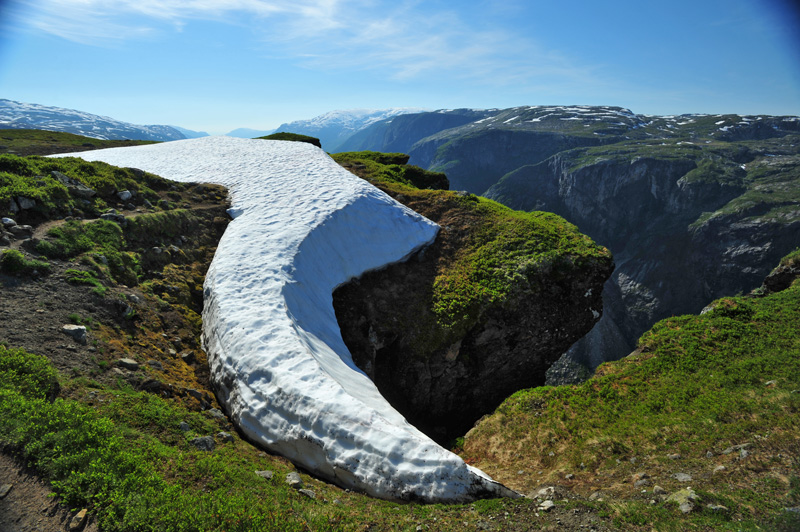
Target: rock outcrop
[(443, 376)]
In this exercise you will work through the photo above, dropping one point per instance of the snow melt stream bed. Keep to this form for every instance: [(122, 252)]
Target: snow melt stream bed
[(303, 226)]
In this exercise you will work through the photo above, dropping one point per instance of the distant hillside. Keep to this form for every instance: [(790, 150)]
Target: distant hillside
[(190, 134), (333, 128), (247, 133), (19, 115)]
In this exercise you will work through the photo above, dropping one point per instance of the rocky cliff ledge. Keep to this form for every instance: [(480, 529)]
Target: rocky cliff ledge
[(479, 314)]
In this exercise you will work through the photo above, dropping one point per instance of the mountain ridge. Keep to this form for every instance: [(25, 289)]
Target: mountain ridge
[(20, 115)]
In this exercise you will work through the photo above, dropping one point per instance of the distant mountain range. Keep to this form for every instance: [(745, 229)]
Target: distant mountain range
[(335, 127), (19, 115), (693, 207)]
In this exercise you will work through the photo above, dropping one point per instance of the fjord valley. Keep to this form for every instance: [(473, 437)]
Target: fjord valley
[(692, 207), (697, 428)]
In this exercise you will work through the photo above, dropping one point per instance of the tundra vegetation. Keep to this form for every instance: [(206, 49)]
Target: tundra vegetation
[(119, 442)]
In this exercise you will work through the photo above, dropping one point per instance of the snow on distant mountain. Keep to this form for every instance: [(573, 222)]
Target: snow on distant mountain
[(247, 133), (334, 127), (190, 134), (19, 115), (278, 360)]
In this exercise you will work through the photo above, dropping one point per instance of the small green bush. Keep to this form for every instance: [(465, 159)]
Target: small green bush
[(13, 261)]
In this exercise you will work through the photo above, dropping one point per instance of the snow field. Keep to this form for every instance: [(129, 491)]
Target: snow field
[(302, 226)]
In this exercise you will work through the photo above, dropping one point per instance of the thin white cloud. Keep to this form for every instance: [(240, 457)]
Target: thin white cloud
[(401, 39)]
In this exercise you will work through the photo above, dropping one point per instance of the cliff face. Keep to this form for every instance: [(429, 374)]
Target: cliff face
[(686, 224), (476, 316)]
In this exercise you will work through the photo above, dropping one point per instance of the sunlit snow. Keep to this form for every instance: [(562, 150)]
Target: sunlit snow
[(302, 226)]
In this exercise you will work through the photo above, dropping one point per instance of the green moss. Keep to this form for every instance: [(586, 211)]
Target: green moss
[(508, 251), (294, 137), (31, 177), (25, 142), (103, 238), (74, 276), (391, 168), (13, 261)]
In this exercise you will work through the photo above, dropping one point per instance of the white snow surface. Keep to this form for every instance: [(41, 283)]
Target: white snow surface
[(303, 226)]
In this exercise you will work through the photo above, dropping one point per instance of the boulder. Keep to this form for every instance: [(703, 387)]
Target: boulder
[(77, 332), (204, 443), (21, 231), (128, 363), (115, 217), (25, 203), (686, 499), (294, 480)]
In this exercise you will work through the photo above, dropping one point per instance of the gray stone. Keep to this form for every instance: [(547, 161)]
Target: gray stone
[(77, 332), (204, 443), (5, 489), (266, 474), (682, 477), (569, 476), (596, 496), (719, 469), (74, 187), (147, 204), (743, 453), (709, 454), (184, 426), (155, 364), (546, 506), (308, 493), (658, 490), (21, 231), (225, 436), (194, 393), (128, 363), (674, 456), (717, 508), (685, 499), (124, 195), (114, 217), (78, 521), (25, 203), (739, 447), (641, 483), (294, 480), (217, 414), (8, 222), (546, 492)]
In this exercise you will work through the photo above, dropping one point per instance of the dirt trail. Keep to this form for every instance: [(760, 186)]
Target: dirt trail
[(29, 506)]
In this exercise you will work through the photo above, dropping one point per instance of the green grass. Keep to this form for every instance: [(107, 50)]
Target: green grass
[(696, 384), (30, 177), (391, 169), (293, 137), (106, 242), (41, 142), (74, 276), (13, 261)]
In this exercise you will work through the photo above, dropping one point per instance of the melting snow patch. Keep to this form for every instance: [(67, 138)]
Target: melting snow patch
[(278, 361)]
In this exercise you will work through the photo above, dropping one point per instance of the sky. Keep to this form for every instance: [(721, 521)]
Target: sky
[(217, 65)]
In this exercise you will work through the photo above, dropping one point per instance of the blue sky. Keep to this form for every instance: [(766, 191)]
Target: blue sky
[(216, 65)]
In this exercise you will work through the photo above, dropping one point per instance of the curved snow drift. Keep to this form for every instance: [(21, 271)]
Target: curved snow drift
[(302, 226)]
